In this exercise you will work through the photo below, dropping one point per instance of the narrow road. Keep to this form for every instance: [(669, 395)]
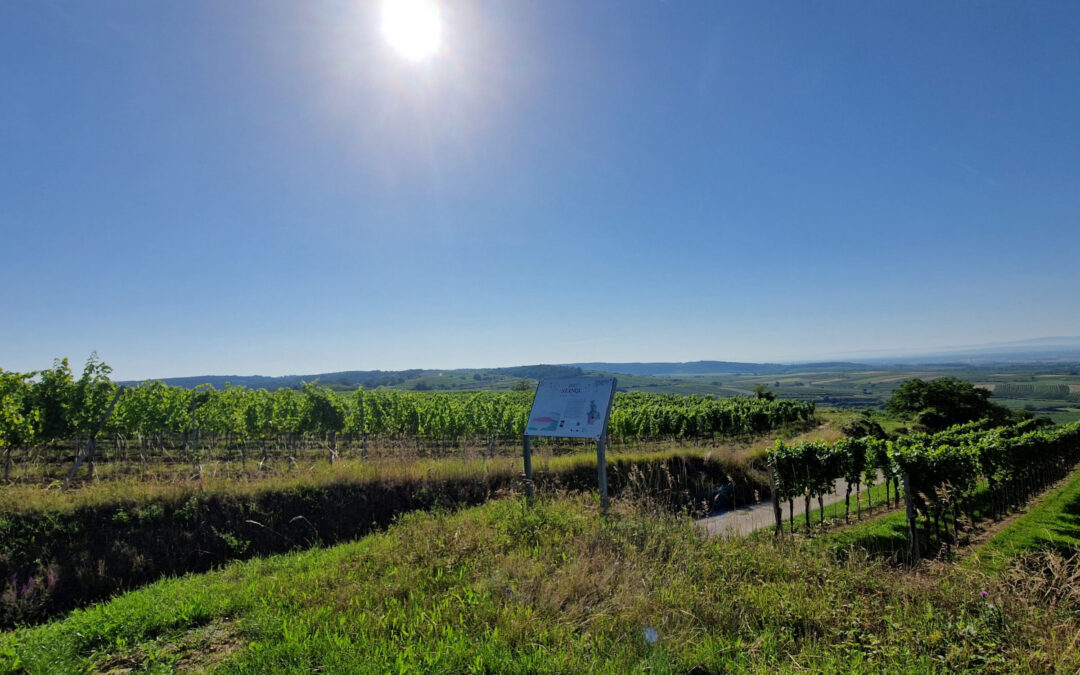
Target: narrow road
[(743, 521)]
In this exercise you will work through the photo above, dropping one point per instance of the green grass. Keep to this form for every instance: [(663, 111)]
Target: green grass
[(1052, 524), (86, 547), (884, 536), (554, 588)]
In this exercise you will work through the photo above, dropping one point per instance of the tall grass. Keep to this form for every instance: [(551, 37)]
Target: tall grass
[(60, 550), (557, 588)]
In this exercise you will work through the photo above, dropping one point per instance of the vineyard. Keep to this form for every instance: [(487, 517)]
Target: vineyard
[(48, 416), (960, 473), (1042, 391)]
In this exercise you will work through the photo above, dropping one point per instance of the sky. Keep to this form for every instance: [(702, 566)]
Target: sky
[(270, 187)]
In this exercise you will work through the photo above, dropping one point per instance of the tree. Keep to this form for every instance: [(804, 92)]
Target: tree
[(762, 392), (864, 426), (941, 403), (524, 384)]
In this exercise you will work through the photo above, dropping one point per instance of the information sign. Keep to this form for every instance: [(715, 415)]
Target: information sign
[(571, 407)]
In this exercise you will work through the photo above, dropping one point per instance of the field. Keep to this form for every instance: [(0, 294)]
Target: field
[(556, 587), (133, 523), (846, 385), (399, 539), (1051, 392)]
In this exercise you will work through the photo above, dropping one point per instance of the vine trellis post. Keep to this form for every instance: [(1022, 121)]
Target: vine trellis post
[(88, 452)]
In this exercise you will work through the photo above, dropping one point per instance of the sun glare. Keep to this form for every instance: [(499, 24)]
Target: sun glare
[(412, 27)]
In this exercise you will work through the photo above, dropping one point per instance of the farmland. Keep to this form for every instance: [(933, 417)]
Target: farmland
[(1049, 389), (423, 336), (1053, 391), (179, 480), (554, 587), (299, 529)]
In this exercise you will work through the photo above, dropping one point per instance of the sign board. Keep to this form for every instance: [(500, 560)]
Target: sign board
[(571, 407)]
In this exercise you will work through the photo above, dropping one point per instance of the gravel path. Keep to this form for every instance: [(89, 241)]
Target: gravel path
[(743, 521)]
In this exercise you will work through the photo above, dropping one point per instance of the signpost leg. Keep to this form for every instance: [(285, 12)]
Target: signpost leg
[(601, 471), (527, 452)]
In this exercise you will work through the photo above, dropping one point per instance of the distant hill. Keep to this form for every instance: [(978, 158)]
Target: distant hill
[(683, 377), (347, 378), (496, 378), (719, 367), (485, 378), (1049, 350)]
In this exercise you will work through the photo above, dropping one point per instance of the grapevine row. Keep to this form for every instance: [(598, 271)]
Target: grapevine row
[(53, 407), (943, 472)]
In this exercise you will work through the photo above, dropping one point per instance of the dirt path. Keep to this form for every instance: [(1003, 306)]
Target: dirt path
[(746, 520)]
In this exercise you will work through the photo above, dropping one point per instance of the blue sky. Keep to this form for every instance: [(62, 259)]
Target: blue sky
[(268, 187)]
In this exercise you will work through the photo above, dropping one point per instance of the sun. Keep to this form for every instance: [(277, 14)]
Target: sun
[(412, 27)]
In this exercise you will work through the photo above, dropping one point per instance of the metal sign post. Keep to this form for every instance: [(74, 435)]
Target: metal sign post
[(527, 451), (601, 454), (572, 407)]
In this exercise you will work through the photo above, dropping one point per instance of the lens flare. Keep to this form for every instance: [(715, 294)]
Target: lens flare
[(412, 27)]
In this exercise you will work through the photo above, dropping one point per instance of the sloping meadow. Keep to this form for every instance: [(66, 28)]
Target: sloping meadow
[(63, 551), (556, 587)]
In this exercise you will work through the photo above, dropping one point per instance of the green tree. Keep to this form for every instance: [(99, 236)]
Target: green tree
[(941, 403), (524, 384), (863, 427)]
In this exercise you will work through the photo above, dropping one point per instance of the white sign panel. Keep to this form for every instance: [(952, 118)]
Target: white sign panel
[(571, 407)]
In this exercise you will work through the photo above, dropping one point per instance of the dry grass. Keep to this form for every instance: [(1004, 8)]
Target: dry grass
[(115, 482)]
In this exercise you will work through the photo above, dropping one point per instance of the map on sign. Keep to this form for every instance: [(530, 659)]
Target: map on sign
[(571, 407)]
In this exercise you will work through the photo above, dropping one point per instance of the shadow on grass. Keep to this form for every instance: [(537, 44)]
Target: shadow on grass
[(1065, 548), (1066, 532), (1072, 508), (885, 537)]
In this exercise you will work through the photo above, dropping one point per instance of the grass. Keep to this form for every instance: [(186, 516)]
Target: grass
[(1051, 524), (557, 588), (58, 551), (884, 537), (20, 497)]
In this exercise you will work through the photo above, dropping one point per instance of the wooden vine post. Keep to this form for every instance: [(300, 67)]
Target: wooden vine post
[(913, 532), (87, 455), (776, 500)]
